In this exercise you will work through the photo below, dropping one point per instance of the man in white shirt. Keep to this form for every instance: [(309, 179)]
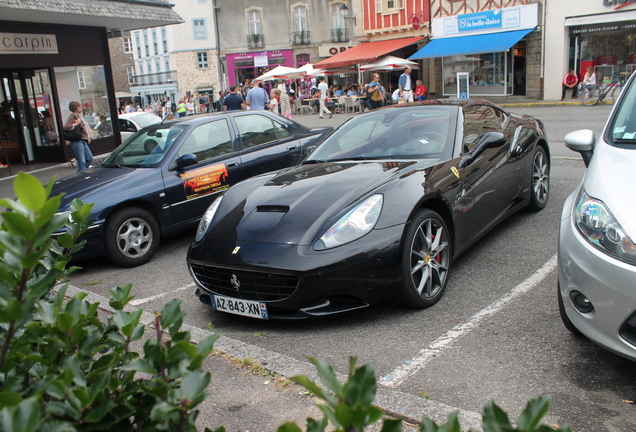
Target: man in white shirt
[(405, 85), (322, 90)]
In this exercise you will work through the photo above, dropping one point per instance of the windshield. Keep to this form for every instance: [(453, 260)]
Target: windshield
[(622, 129), (146, 119), (146, 148), (394, 133)]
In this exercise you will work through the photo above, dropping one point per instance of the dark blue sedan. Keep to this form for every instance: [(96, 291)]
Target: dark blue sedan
[(162, 179)]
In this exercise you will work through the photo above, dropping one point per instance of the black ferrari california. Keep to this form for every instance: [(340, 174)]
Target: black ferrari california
[(377, 212)]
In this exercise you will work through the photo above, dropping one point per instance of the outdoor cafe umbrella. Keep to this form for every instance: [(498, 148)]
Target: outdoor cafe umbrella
[(389, 63), (281, 72)]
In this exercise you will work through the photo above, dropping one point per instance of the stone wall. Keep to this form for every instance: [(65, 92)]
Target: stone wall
[(190, 77)]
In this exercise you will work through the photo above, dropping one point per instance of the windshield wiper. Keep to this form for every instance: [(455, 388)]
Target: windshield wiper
[(625, 140)]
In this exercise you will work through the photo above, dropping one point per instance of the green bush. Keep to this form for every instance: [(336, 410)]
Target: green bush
[(63, 367)]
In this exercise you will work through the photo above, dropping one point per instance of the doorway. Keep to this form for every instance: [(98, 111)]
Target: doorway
[(519, 69), (28, 123)]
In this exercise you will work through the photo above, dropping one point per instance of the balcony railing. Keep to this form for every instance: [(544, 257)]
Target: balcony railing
[(255, 40), (301, 37), (339, 35), (154, 78)]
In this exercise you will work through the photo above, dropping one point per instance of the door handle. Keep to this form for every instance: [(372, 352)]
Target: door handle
[(232, 164), (291, 148)]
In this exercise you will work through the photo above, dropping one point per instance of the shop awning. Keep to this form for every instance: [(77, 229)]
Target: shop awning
[(365, 52), (475, 44)]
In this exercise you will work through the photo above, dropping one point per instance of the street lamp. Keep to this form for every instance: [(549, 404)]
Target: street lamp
[(344, 11)]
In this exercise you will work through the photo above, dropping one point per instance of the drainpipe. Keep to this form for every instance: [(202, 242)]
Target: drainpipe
[(220, 67), (542, 77)]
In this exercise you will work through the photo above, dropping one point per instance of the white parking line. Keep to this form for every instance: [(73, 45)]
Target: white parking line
[(410, 367), (149, 299)]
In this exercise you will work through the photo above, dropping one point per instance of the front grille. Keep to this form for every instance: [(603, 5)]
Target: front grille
[(258, 286), (628, 330)]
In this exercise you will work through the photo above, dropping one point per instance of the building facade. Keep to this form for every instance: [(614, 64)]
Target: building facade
[(497, 44), (178, 61), (50, 56), (596, 33)]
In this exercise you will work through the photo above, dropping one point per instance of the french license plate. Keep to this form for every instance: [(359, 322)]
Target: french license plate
[(247, 308)]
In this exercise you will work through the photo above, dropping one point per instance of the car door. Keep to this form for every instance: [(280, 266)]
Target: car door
[(190, 190), (490, 178), (266, 144)]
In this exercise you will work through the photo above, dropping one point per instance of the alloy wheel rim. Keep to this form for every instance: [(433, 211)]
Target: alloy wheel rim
[(540, 177), (134, 238), (430, 255)]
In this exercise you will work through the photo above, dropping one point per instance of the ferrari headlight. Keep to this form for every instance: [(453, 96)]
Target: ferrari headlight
[(355, 224), (599, 227), (204, 224)]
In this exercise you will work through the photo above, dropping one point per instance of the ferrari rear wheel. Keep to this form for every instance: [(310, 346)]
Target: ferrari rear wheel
[(540, 188), (426, 258)]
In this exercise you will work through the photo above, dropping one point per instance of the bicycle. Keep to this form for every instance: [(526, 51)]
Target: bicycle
[(592, 94)]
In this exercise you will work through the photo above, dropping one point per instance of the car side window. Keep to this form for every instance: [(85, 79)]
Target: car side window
[(126, 126), (208, 141), (257, 130), (479, 119)]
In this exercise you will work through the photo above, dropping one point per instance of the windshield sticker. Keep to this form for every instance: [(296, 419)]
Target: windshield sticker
[(205, 181)]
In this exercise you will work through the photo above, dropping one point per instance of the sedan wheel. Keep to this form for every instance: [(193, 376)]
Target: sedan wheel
[(131, 237), (540, 180), (426, 258)]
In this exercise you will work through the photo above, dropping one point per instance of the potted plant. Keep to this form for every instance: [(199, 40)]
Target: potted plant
[(339, 34), (256, 37)]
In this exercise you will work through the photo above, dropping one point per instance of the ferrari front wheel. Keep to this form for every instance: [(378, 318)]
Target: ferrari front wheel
[(426, 259)]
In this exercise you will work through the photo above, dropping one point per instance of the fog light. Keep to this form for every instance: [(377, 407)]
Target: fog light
[(581, 303)]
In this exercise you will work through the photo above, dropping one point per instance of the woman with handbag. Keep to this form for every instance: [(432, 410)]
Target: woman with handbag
[(76, 132)]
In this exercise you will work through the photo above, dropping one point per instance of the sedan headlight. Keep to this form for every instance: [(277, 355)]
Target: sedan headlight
[(355, 224), (204, 224), (599, 227)]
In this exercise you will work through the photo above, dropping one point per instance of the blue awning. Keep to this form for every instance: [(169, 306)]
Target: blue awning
[(475, 44)]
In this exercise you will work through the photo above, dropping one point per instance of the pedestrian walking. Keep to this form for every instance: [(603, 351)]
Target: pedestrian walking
[(321, 92), (405, 85), (257, 97), (82, 151)]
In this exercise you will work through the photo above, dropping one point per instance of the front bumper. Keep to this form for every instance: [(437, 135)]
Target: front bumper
[(356, 275), (609, 284), (94, 247)]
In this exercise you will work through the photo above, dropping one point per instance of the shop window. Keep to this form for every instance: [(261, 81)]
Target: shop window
[(487, 73), (128, 45), (92, 95), (202, 60), (199, 29)]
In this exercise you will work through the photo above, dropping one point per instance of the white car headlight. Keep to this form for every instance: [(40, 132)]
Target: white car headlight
[(204, 223), (355, 224), (599, 227)]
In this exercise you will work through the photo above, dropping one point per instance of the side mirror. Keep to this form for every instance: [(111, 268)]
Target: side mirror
[(486, 141), (581, 141), (183, 161)]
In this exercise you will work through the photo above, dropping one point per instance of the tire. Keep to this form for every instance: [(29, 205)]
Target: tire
[(590, 95), (426, 259), (540, 181), (564, 317), (616, 91), (131, 237)]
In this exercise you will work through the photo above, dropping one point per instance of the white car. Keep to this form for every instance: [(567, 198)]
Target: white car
[(129, 123), (597, 252)]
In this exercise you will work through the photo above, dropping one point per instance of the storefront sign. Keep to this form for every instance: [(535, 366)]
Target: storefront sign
[(490, 21), (25, 43), (261, 60), (331, 50)]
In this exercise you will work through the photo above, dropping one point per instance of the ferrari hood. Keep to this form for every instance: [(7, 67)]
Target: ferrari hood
[(297, 205)]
